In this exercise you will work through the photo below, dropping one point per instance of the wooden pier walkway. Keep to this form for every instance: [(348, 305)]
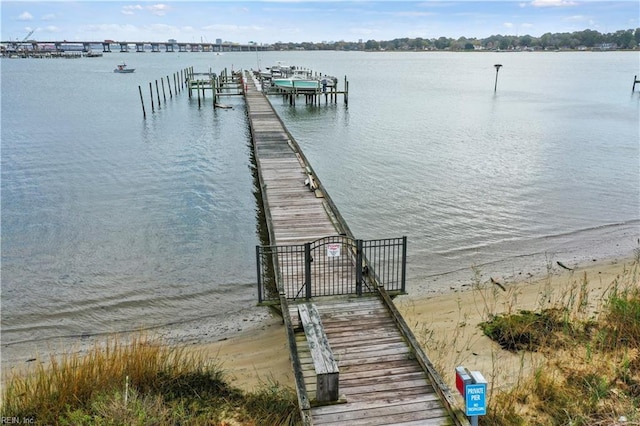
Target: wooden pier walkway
[(355, 360)]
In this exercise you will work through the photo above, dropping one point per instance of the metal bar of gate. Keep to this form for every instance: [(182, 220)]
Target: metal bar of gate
[(358, 267), (307, 270)]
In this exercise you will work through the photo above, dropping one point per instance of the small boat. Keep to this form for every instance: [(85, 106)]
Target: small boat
[(279, 70), (296, 82), (122, 68)]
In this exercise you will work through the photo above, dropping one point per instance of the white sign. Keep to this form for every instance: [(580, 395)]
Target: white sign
[(333, 250)]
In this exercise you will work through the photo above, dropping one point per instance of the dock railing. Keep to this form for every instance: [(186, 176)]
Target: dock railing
[(331, 266)]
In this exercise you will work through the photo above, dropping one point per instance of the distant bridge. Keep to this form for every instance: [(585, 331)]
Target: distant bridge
[(109, 46)]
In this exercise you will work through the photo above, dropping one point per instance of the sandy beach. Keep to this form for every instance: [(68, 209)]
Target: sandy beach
[(445, 324)]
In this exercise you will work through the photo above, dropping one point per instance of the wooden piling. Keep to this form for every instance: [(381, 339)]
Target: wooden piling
[(197, 90), (346, 91), (164, 96), (144, 113), (151, 92), (169, 84), (158, 93), (213, 89), (635, 80)]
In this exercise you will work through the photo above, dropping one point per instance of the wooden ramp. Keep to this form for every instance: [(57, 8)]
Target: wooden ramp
[(380, 378), (384, 376)]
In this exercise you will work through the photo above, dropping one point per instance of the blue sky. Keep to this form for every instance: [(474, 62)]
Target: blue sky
[(310, 21)]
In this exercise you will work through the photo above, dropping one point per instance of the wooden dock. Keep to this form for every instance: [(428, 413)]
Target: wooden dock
[(383, 377)]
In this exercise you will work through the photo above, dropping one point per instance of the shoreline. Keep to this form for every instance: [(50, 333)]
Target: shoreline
[(254, 350), (255, 356), (574, 249)]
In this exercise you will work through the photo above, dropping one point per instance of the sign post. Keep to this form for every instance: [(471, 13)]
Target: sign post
[(473, 387)]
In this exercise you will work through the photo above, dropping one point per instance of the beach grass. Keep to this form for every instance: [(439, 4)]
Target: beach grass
[(591, 373), (140, 381), (572, 357)]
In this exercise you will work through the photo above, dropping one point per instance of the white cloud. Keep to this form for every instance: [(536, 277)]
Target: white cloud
[(131, 10), (508, 25), (553, 3), (25, 16), (49, 17), (158, 9)]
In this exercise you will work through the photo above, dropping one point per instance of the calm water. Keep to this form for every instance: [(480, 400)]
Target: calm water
[(111, 222)]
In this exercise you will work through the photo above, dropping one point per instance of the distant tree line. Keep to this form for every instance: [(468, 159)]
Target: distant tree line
[(578, 40)]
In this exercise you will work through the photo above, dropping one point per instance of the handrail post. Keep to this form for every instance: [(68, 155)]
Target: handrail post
[(259, 274), (404, 263), (359, 267), (307, 270)]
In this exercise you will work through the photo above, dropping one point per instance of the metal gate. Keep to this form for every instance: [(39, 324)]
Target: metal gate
[(330, 266)]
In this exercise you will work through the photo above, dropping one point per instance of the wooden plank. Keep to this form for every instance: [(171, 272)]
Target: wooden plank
[(326, 368), (370, 413), (369, 404), (423, 418)]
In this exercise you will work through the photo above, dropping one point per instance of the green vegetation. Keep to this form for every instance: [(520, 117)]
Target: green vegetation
[(141, 382), (530, 331), (587, 39), (591, 372)]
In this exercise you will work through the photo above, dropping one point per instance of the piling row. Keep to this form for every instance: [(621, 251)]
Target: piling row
[(225, 84), (179, 79)]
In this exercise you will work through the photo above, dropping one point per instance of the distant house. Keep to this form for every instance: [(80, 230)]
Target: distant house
[(606, 46)]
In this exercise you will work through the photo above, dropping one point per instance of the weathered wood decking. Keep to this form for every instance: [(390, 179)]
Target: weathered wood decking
[(379, 375), (385, 378), (296, 214)]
